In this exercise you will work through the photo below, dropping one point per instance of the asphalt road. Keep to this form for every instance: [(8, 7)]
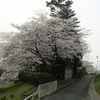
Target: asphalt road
[(76, 91)]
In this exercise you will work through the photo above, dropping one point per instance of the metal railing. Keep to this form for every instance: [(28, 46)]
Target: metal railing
[(43, 90), (47, 88), (32, 96)]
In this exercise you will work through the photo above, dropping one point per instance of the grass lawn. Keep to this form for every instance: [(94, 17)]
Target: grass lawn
[(13, 91), (62, 82), (97, 84)]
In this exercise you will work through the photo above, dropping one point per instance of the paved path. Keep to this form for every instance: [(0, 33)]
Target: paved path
[(76, 91)]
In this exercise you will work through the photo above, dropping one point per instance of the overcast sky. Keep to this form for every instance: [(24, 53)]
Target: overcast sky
[(87, 11)]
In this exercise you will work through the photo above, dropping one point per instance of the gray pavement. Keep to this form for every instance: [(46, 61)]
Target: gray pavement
[(76, 91)]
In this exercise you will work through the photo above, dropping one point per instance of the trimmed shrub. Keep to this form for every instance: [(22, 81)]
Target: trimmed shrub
[(16, 80), (35, 78)]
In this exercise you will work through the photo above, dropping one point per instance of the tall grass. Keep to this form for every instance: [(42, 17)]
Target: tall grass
[(97, 83)]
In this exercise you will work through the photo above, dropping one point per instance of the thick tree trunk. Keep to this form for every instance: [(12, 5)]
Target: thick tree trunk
[(74, 71)]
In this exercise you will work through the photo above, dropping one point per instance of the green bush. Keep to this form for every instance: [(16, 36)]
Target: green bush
[(16, 81), (35, 78), (23, 76)]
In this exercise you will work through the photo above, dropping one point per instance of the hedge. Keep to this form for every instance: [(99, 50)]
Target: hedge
[(35, 78)]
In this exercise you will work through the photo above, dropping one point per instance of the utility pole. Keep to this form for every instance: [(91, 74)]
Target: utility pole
[(97, 65)]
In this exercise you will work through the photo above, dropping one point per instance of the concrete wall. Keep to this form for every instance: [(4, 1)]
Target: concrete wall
[(68, 73)]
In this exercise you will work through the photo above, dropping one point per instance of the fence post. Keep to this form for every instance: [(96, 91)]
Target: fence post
[(32, 97), (39, 89), (49, 87), (55, 85)]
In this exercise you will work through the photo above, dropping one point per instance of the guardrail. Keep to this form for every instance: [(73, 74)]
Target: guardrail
[(32, 95), (43, 90)]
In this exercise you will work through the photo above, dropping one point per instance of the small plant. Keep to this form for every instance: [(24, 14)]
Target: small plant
[(12, 96), (3, 98), (24, 92)]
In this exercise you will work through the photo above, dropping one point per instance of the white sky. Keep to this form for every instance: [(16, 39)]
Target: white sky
[(87, 11)]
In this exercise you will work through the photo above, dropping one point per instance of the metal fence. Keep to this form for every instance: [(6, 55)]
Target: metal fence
[(47, 88), (43, 90), (32, 96)]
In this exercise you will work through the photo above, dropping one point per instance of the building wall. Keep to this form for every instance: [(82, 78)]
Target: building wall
[(68, 73)]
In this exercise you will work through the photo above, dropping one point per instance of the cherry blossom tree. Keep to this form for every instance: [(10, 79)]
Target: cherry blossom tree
[(43, 43), (88, 65)]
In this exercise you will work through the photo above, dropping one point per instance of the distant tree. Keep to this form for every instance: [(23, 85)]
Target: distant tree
[(61, 8), (88, 65)]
